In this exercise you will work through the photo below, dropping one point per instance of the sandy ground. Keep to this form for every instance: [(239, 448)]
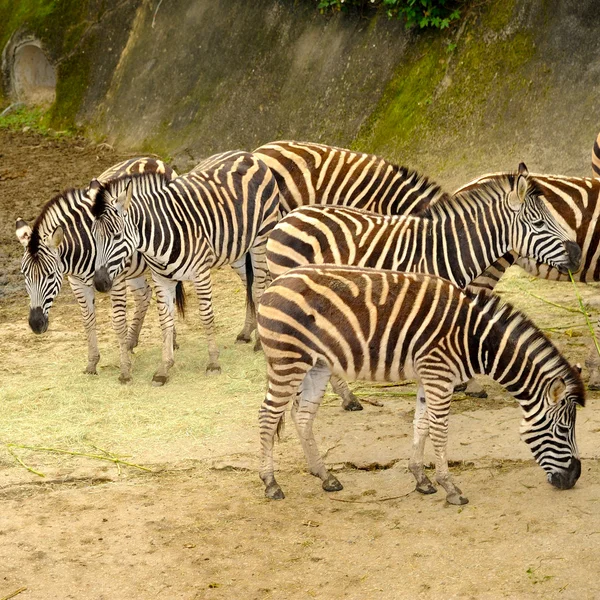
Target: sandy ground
[(196, 525)]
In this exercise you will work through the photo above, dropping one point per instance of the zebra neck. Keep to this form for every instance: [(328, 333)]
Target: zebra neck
[(470, 237)]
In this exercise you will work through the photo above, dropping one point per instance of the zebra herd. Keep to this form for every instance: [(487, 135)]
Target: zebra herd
[(378, 274)]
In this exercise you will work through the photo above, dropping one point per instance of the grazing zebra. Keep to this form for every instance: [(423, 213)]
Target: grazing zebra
[(596, 158), (457, 238), (309, 173), (60, 243), (384, 326), (183, 228), (575, 204)]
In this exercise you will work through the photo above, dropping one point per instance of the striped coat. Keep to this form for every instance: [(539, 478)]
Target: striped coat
[(219, 214), (385, 326)]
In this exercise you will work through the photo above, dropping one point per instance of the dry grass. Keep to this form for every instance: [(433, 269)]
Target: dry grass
[(45, 400)]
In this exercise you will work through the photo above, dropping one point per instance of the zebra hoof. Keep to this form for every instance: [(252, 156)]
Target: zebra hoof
[(90, 372), (593, 387), (159, 380), (456, 499), (213, 369), (175, 346), (426, 489), (123, 379), (242, 338), (331, 484), (274, 492), (461, 387), (352, 405)]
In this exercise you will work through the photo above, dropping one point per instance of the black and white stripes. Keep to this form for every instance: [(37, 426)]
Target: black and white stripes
[(384, 326), (218, 214)]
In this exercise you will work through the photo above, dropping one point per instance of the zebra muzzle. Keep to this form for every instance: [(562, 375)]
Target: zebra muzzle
[(574, 256), (565, 480), (102, 280), (38, 321)]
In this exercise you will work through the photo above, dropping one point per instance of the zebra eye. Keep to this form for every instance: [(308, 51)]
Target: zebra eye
[(539, 224)]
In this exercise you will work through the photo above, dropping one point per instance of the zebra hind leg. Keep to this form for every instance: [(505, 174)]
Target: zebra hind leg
[(592, 362), (421, 431), (245, 336), (349, 400), (142, 294), (282, 388), (118, 299), (304, 411)]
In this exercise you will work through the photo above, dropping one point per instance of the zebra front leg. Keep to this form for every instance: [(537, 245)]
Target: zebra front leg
[(341, 388), (592, 362), (142, 294), (304, 411), (421, 431), (203, 286), (118, 299), (165, 292), (85, 297), (438, 407)]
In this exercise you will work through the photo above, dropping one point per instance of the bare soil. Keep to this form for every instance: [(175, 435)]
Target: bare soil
[(196, 525)]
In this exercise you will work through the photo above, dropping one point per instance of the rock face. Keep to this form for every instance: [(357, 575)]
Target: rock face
[(515, 80)]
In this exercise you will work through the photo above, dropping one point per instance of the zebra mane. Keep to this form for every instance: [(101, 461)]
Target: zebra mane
[(110, 189), (507, 315), (59, 202), (483, 189)]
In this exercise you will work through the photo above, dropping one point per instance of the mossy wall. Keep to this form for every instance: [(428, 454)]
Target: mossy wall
[(515, 80)]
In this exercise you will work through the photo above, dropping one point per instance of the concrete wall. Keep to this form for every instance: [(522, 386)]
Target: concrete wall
[(516, 80)]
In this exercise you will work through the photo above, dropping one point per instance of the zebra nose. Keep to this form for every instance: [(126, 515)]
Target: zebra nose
[(102, 281), (574, 254), (565, 480), (38, 321)]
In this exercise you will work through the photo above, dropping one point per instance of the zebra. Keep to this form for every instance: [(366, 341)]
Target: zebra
[(380, 325), (185, 227), (575, 204), (596, 158), (457, 238), (60, 244), (310, 173)]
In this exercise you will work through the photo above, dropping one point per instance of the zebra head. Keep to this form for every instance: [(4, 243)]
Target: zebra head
[(535, 233), (43, 271), (548, 427), (115, 236)]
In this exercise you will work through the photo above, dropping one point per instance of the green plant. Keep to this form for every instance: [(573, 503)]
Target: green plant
[(33, 118), (421, 13)]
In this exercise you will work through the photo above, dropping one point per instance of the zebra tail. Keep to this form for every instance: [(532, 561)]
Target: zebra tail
[(249, 284), (180, 298)]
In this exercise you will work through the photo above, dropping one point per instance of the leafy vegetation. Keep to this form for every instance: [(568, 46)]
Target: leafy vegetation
[(420, 13), (32, 118)]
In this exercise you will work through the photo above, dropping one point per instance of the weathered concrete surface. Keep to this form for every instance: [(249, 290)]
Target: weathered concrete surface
[(517, 80)]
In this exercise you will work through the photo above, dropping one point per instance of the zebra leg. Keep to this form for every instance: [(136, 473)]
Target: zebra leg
[(142, 294), (262, 277), (438, 407), (203, 286), (85, 296), (118, 299), (341, 388), (421, 431), (165, 292), (282, 388), (304, 411), (244, 336)]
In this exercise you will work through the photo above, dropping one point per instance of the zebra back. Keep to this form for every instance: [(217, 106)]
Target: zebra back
[(309, 173), (141, 164)]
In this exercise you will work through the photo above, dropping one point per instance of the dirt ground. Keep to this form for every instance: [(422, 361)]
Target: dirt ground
[(195, 524)]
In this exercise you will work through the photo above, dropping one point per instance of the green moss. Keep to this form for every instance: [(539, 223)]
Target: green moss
[(499, 15), (435, 94), (61, 25)]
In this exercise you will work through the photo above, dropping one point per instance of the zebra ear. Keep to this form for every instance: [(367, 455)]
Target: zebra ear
[(556, 391), (23, 232), (55, 240), (124, 198), (518, 194)]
